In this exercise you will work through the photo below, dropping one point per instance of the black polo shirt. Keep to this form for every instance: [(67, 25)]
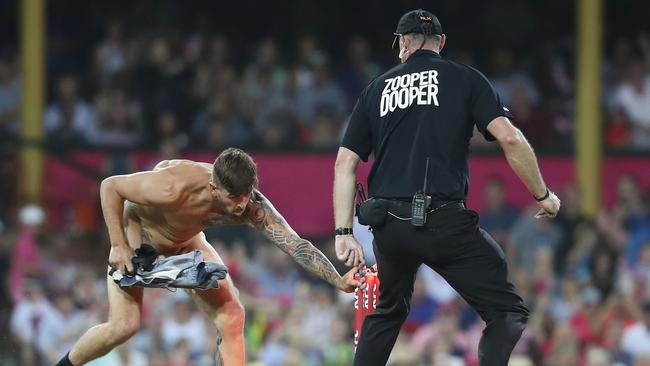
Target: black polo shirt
[(425, 107)]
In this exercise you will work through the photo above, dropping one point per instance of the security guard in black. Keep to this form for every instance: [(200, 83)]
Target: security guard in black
[(425, 109)]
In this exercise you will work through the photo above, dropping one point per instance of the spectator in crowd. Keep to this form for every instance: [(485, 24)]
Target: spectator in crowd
[(10, 94), (323, 133), (596, 356), (221, 116), (111, 53), (612, 343), (187, 326), (218, 51), (359, 69), (568, 221), (587, 321), (497, 215), (69, 119), (26, 260), (563, 346), (530, 118), (423, 307), (170, 132), (630, 204), (436, 287), (284, 346), (577, 262), (307, 53), (275, 275), (26, 321), (542, 278), (636, 278), (277, 123), (180, 354), (203, 84), (633, 96), (529, 234), (627, 224), (118, 121), (618, 132), (321, 94), (622, 53), (315, 317), (440, 338), (507, 79), (603, 265), (339, 352), (551, 72), (59, 262), (263, 77), (64, 324), (614, 224), (564, 303), (160, 81), (636, 339)]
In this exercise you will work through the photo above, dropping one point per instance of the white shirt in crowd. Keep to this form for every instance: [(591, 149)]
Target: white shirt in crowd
[(193, 331), (27, 318), (84, 120), (58, 332), (637, 108), (437, 287), (636, 340)]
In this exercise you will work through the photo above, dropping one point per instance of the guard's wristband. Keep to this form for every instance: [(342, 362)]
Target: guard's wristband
[(545, 196), (343, 231)]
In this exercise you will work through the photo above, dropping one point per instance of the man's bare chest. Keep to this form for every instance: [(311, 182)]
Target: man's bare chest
[(183, 219)]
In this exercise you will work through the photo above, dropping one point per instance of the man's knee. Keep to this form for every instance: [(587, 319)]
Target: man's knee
[(230, 318), (509, 325), (516, 321), (123, 328)]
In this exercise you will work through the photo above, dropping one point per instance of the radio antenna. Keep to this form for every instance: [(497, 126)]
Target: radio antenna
[(426, 173)]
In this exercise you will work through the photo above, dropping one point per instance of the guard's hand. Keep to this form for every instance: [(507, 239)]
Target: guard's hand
[(121, 257), (548, 207), (352, 280), (349, 250)]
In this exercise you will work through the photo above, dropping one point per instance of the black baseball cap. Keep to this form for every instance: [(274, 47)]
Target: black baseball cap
[(417, 21)]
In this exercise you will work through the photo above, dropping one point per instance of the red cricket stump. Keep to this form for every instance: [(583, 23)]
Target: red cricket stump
[(365, 301)]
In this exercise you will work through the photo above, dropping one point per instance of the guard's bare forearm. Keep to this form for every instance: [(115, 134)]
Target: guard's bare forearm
[(345, 181), (113, 209), (522, 160), (344, 191)]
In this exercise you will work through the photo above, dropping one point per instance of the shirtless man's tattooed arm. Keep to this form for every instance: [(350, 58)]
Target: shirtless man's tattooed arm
[(262, 215)]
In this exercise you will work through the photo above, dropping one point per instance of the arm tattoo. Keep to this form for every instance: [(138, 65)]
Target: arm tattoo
[(218, 357), (264, 217), (146, 235), (129, 213)]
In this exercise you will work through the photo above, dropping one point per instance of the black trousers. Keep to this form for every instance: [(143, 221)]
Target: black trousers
[(467, 257)]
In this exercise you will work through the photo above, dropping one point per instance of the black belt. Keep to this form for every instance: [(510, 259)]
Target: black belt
[(400, 206)]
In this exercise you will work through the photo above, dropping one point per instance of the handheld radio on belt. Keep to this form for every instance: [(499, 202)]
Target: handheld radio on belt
[(421, 202)]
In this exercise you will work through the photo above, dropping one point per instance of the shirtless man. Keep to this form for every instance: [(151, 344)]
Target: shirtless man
[(168, 208)]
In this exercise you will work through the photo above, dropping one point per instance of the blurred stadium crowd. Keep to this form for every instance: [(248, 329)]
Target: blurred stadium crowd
[(586, 281), (177, 90)]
